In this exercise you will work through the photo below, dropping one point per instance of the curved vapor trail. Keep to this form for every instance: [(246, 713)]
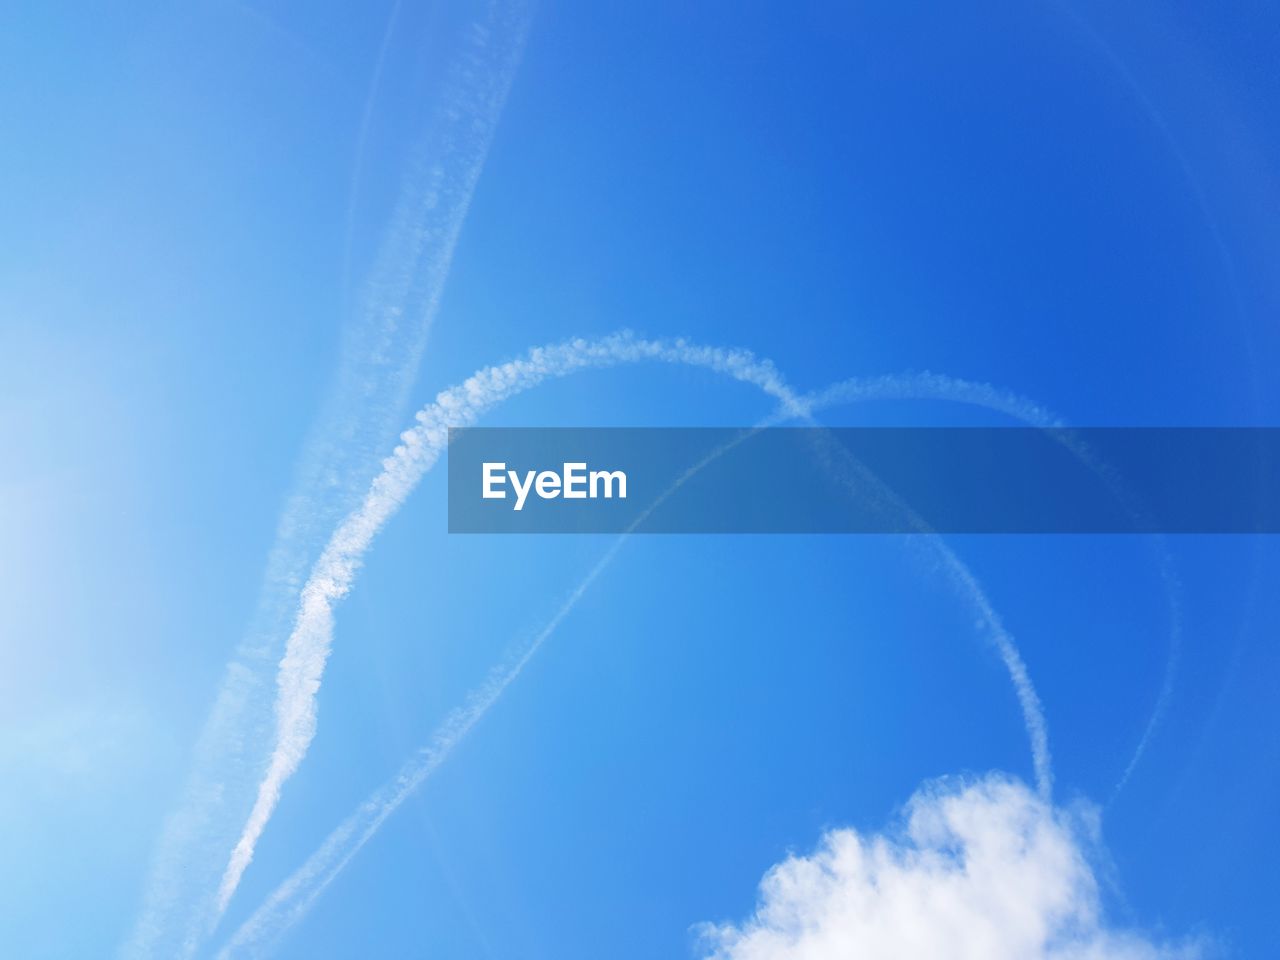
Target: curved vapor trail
[(933, 386), (1185, 167), (308, 646), (381, 351), (1164, 129), (290, 901)]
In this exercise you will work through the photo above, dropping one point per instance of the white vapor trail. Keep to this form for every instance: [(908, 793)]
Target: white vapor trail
[(292, 899), (933, 386), (381, 352), (308, 646)]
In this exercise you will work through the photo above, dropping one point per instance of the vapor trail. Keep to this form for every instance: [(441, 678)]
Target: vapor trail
[(292, 899), (308, 646), (362, 139), (380, 355), (933, 386)]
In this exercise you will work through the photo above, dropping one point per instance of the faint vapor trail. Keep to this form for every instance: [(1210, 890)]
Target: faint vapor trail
[(381, 352), (362, 139), (292, 899)]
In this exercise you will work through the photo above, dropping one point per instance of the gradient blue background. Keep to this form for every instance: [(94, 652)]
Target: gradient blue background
[(1071, 201)]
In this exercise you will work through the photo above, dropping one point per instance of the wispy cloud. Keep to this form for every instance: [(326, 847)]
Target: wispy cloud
[(292, 899), (381, 353), (981, 869)]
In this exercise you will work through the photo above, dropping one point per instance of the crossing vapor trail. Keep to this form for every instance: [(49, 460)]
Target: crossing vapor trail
[(422, 447)]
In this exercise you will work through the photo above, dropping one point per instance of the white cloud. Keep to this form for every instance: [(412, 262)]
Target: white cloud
[(978, 870)]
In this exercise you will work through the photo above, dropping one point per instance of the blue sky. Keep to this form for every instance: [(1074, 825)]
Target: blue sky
[(206, 216)]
